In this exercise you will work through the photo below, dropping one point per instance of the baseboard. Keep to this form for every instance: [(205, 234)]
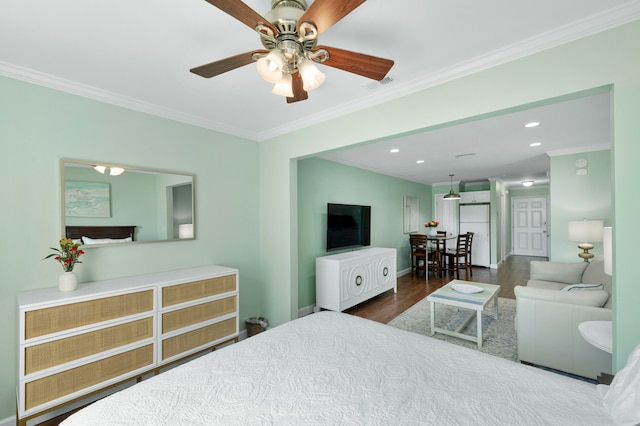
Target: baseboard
[(9, 421), (303, 312), (404, 272)]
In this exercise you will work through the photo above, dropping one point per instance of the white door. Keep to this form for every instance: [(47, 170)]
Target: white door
[(446, 213), (529, 223)]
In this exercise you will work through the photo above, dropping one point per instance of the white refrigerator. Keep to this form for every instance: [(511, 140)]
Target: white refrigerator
[(475, 218)]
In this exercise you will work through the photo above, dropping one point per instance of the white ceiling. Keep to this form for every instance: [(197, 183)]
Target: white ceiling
[(491, 148), (137, 54)]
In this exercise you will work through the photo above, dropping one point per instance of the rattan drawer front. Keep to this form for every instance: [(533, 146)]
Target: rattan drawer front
[(59, 318), (54, 353), (184, 342), (172, 295), (58, 385), (199, 313)]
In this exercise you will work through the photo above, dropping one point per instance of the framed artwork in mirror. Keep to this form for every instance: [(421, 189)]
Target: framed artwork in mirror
[(86, 199)]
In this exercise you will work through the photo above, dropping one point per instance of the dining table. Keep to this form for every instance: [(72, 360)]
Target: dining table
[(440, 245)]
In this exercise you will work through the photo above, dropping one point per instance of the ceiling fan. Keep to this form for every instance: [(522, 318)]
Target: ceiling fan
[(289, 32)]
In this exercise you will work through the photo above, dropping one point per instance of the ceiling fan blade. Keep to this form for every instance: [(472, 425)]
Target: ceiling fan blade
[(357, 63), (223, 65), (242, 13), (299, 94), (324, 13)]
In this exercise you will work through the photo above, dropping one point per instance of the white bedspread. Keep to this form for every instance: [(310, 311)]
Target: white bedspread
[(335, 369)]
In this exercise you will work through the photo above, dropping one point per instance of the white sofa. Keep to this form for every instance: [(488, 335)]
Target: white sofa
[(548, 316)]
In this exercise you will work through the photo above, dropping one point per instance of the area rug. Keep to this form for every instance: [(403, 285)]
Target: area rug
[(499, 336)]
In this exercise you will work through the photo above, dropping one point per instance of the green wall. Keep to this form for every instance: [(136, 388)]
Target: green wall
[(610, 58), (38, 126), (321, 182), (574, 197), (247, 192)]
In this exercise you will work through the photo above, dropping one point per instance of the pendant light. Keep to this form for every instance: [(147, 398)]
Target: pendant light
[(451, 195)]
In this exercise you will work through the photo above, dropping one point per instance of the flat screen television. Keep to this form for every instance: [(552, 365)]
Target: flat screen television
[(348, 226)]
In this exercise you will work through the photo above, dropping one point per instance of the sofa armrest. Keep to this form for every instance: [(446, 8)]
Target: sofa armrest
[(548, 335)]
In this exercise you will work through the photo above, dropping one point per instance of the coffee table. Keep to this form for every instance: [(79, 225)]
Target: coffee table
[(473, 301)]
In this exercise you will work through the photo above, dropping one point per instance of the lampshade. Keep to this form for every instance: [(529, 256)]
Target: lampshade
[(100, 169), (115, 171), (185, 230), (607, 246), (451, 195), (585, 231), (270, 67), (312, 78), (283, 86)]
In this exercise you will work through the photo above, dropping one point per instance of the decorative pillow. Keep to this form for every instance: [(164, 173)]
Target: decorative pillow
[(88, 241), (622, 398), (561, 272), (573, 287)]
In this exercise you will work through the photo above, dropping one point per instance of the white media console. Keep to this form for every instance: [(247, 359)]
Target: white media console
[(346, 279)]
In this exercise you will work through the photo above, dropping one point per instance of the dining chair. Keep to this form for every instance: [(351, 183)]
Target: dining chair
[(440, 247), (418, 252), (458, 258), (470, 251)]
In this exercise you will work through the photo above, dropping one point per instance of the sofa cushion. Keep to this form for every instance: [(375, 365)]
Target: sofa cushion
[(561, 272), (595, 298), (549, 285)]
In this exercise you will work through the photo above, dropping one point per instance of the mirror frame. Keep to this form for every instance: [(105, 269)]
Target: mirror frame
[(64, 161)]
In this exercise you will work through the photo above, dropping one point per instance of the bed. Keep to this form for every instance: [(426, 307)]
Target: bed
[(331, 368), (101, 234)]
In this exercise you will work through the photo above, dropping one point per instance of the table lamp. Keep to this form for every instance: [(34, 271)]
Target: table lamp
[(585, 232)]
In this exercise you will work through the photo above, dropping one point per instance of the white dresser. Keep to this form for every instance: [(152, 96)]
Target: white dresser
[(106, 332), (346, 279)]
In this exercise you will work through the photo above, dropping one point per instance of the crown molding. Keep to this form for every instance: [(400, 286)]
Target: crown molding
[(625, 13), (68, 86), (612, 18), (579, 150)]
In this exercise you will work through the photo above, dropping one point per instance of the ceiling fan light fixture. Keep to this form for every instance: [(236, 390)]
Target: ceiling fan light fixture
[(116, 171), (270, 66), (312, 77), (284, 86)]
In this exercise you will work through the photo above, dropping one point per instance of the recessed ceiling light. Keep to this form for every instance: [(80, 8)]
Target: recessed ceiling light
[(532, 124), (527, 182), (394, 150), (535, 144), (420, 161)]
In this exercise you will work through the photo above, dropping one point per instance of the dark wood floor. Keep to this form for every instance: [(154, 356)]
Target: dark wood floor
[(413, 288)]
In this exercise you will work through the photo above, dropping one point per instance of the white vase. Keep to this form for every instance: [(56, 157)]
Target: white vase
[(68, 281), (433, 231)]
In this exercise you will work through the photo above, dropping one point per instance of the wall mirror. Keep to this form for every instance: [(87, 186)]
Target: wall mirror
[(411, 214), (104, 204)]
